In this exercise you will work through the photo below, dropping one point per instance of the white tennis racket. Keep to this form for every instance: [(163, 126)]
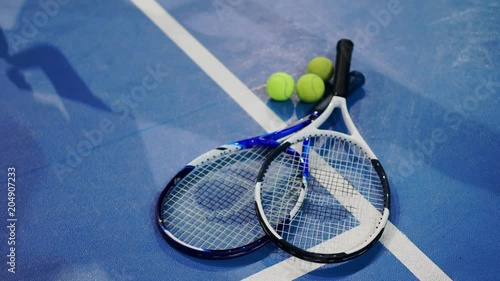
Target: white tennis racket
[(331, 203)]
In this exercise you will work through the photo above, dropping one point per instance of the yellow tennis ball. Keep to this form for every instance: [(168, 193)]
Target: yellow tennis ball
[(310, 88), (280, 86), (321, 66)]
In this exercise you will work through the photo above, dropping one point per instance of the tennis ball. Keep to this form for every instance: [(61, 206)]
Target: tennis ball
[(321, 66), (280, 86), (310, 88)]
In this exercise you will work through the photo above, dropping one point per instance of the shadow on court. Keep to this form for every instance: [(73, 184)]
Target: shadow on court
[(56, 67)]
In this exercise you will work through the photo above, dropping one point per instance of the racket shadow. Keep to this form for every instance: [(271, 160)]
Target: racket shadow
[(203, 263), (351, 267), (331, 270)]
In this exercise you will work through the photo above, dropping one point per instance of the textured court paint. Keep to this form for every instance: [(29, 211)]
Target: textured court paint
[(393, 239), (441, 50), (235, 88), (211, 65), (407, 253), (86, 205)]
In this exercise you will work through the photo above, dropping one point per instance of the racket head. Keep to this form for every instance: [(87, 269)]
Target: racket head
[(342, 194), (207, 209)]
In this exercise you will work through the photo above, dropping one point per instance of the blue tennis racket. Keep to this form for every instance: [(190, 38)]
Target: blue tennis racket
[(207, 209)]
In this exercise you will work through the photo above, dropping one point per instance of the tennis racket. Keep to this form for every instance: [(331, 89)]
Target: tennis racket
[(207, 209), (331, 202)]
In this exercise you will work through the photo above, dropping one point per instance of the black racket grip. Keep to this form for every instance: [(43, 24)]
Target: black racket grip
[(342, 67)]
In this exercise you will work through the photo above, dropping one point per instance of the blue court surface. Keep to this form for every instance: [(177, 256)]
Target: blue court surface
[(102, 102)]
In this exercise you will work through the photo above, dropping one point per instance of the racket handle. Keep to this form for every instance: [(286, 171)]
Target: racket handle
[(342, 67)]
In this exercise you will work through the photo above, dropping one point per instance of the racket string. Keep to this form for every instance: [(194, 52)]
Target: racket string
[(341, 181), (208, 232), (285, 173), (212, 207)]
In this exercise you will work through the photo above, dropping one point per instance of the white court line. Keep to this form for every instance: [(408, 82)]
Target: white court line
[(393, 239), (211, 65)]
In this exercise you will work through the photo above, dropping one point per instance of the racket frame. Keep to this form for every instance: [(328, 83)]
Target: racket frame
[(312, 131), (344, 51)]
